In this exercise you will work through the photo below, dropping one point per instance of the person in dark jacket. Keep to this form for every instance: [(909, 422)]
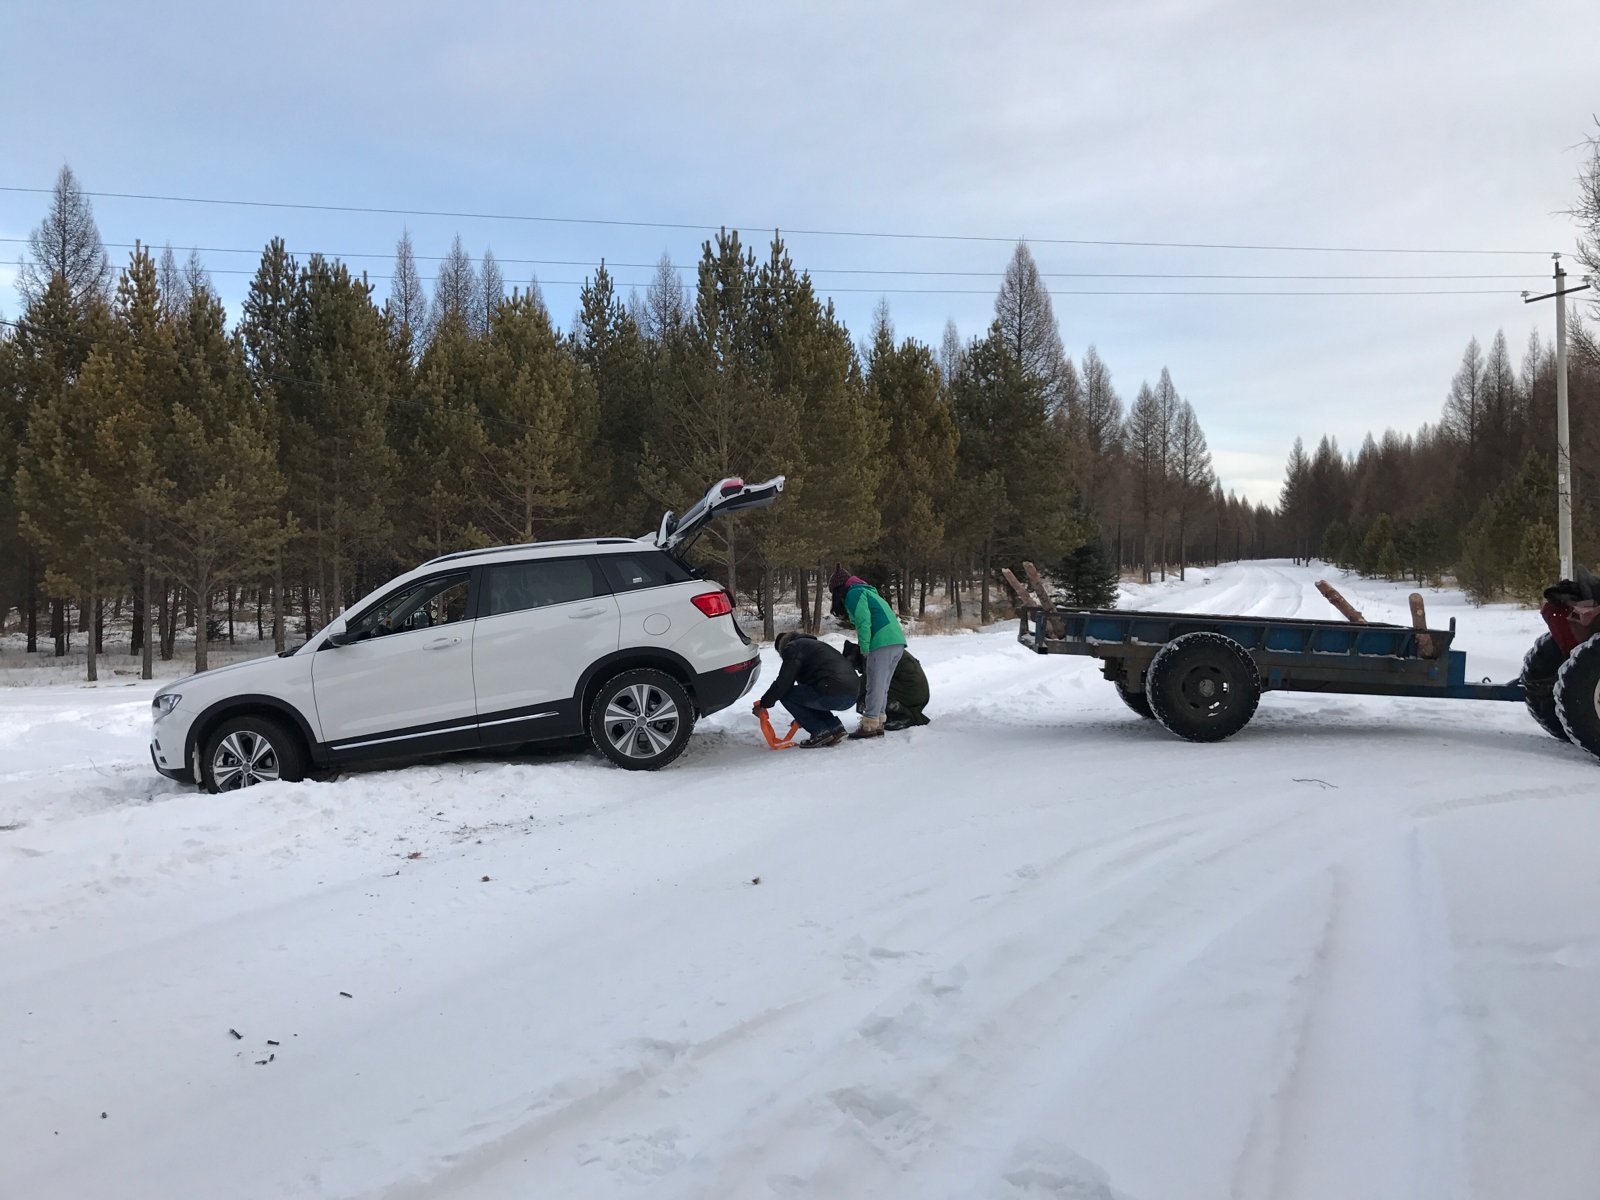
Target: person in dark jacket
[(815, 683), (908, 689)]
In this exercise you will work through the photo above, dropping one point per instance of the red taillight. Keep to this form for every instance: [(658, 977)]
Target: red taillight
[(737, 667), (714, 604)]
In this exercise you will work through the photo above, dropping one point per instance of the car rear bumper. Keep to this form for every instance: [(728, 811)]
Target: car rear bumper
[(716, 690)]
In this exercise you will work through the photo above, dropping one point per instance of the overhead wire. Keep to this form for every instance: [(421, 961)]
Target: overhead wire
[(701, 227), (887, 271)]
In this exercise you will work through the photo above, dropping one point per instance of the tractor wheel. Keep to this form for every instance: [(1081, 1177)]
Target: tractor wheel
[(1203, 687), (1539, 670), (1138, 701), (1577, 696)]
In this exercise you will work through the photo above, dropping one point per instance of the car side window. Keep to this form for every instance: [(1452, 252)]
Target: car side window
[(540, 583), (646, 569), (441, 600)]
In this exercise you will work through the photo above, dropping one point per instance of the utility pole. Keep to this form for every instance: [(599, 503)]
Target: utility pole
[(1563, 434)]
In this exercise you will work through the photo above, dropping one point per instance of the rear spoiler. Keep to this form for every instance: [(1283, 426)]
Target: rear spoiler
[(725, 496)]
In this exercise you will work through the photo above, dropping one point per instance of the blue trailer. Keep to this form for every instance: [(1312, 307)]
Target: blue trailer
[(1201, 675)]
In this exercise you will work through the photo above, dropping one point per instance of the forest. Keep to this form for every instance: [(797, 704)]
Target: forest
[(168, 469)]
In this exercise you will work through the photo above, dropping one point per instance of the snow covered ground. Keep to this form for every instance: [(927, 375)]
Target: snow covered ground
[(1037, 949)]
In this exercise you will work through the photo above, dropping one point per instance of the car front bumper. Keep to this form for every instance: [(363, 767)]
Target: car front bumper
[(168, 738)]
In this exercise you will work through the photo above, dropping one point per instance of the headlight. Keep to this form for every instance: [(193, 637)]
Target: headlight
[(162, 705)]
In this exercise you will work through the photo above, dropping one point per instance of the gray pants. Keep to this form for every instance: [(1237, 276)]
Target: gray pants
[(880, 670)]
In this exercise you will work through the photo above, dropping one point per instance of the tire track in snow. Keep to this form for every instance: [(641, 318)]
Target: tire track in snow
[(1372, 1097), (1019, 1016)]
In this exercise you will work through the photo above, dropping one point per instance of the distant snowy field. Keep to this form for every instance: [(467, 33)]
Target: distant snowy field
[(1037, 949)]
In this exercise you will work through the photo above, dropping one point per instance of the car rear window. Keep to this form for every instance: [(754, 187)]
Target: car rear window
[(515, 587), (644, 569)]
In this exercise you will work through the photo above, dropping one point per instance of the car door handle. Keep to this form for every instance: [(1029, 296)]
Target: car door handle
[(583, 614), (442, 643)]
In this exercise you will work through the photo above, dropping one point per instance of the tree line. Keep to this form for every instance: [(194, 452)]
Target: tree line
[(1472, 496), (157, 460)]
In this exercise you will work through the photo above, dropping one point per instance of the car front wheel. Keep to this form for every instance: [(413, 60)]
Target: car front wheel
[(245, 751), (641, 719)]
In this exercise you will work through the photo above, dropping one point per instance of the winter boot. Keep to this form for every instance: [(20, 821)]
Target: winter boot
[(870, 727), (831, 738)]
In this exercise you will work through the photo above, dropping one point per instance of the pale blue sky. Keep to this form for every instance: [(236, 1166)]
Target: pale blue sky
[(1360, 124)]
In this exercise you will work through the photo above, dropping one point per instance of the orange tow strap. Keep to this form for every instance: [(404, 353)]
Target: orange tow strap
[(771, 734)]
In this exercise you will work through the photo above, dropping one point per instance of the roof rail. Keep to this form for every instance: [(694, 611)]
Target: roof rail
[(459, 554)]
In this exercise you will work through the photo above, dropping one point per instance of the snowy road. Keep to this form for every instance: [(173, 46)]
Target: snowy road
[(1040, 948)]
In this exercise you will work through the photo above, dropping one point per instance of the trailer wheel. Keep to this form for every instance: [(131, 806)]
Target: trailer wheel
[(1577, 696), (1203, 687), (1539, 670), (1138, 701)]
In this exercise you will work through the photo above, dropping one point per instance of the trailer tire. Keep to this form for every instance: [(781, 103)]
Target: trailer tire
[(1539, 669), (1577, 696), (1204, 687), (1138, 701)]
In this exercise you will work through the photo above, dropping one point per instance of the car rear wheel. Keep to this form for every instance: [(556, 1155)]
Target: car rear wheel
[(245, 751), (641, 719)]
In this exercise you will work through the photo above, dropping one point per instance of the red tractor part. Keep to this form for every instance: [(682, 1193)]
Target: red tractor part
[(1571, 624)]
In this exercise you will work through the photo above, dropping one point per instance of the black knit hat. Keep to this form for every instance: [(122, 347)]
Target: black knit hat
[(838, 579)]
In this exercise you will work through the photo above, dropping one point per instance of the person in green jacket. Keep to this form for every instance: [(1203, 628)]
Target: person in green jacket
[(908, 690), (882, 640)]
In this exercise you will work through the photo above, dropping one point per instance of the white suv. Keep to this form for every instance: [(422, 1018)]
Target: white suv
[(614, 638)]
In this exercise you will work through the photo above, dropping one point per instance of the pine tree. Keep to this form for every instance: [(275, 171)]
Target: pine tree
[(1018, 502), (1497, 535), (919, 459), (1536, 567), (66, 245), (408, 301), (718, 413), (276, 347), (825, 429), (1025, 319), (1192, 476), (1335, 544), (1088, 576), (334, 415), (72, 486), (455, 289), (14, 569), (611, 351), (1143, 437), (1294, 502), (442, 443), (141, 341), (491, 291), (1095, 431), (218, 523), (540, 426), (664, 311)]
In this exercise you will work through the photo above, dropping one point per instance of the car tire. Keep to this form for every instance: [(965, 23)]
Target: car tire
[(641, 719), (245, 751)]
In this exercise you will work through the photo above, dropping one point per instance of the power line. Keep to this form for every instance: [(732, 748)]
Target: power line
[(889, 271), (704, 227)]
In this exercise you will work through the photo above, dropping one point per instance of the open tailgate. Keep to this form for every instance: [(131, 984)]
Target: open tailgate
[(723, 497)]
